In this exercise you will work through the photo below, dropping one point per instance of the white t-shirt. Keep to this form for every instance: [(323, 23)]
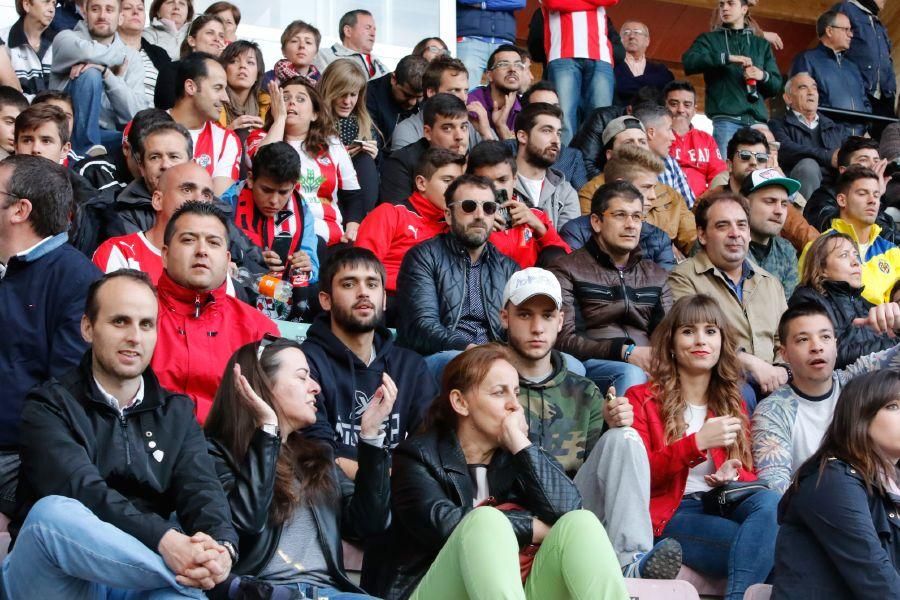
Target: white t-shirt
[(218, 150), (533, 187), (695, 417), (813, 418)]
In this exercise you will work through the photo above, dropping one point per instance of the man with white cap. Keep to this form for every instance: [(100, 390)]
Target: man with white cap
[(566, 413), (768, 192)]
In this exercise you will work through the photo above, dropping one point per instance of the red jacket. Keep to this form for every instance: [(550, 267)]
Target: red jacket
[(520, 244), (669, 463), (392, 229), (698, 156), (192, 351)]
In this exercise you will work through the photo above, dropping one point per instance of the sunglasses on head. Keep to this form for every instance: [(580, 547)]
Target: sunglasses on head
[(266, 340), (761, 157), (469, 206)]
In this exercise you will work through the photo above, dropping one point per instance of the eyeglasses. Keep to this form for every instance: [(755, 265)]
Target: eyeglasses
[(470, 206), (621, 216), (13, 196), (760, 157), (847, 29), (627, 32), (437, 50), (505, 64), (264, 343)]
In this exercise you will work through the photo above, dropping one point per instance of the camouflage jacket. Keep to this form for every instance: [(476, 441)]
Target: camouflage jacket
[(780, 259)]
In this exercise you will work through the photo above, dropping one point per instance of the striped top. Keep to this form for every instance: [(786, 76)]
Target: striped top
[(577, 34)]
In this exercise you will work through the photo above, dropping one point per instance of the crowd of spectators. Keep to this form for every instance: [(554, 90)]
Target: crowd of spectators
[(542, 336)]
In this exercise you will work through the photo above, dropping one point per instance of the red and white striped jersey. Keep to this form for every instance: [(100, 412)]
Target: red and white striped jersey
[(218, 150), (577, 29), (132, 251)]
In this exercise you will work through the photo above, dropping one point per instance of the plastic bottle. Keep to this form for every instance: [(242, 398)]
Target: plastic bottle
[(267, 285)]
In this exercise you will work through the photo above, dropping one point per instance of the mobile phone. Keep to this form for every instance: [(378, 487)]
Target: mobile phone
[(356, 143), (282, 247), (501, 199)]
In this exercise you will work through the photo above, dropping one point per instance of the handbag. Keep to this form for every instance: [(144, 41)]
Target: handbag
[(526, 554), (723, 500)]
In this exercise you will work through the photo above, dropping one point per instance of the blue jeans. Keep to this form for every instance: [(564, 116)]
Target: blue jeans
[(474, 54), (316, 592), (65, 551), (741, 546), (87, 93), (437, 361), (605, 373), (723, 129), (583, 85)]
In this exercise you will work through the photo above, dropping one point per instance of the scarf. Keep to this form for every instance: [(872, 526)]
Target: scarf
[(233, 108), (284, 70)]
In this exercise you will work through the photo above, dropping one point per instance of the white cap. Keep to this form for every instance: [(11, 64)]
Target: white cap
[(531, 282)]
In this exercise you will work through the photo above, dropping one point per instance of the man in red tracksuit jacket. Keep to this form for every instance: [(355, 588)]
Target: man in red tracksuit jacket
[(199, 326), (696, 151)]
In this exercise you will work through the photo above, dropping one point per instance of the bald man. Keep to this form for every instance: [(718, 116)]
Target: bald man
[(141, 250)]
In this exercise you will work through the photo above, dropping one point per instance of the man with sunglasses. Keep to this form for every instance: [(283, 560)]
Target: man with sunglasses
[(450, 288), (500, 97), (620, 295), (43, 285)]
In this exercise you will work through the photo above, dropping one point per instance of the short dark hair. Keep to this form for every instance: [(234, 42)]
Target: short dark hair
[(444, 105), (277, 161), (194, 207), (489, 153), (526, 120), (409, 72), (615, 189), (468, 179), (745, 136), (92, 304), (539, 86), (795, 311), (852, 145), (46, 185), (705, 203), (157, 4), (419, 49), (431, 78), (645, 94), (49, 95), (348, 258), (217, 7), (157, 127), (679, 85), (650, 114), (349, 20), (139, 124), (503, 48), (196, 25), (825, 20), (10, 96), (35, 116), (435, 158), (853, 174), (298, 26), (195, 67)]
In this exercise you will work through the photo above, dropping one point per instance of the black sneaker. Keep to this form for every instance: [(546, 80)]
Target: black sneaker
[(663, 561)]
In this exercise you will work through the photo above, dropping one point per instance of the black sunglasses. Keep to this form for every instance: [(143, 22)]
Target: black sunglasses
[(761, 157), (265, 342), (469, 206)]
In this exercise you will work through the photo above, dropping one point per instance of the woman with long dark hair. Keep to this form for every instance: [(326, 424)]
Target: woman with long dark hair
[(840, 519), (247, 104), (449, 542), (691, 417), (328, 181), (290, 504), (206, 33)]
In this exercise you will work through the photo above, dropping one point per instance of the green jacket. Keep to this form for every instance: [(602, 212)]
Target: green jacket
[(564, 414), (726, 92)]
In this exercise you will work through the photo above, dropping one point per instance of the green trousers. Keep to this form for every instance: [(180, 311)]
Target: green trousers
[(480, 561)]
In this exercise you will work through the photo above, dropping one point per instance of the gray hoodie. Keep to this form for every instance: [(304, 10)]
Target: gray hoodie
[(558, 198), (124, 95)]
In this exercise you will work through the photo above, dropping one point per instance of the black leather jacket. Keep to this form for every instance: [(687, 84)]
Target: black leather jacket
[(589, 138), (431, 492), (432, 291), (843, 304), (363, 510)]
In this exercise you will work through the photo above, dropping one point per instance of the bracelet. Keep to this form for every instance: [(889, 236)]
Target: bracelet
[(628, 352)]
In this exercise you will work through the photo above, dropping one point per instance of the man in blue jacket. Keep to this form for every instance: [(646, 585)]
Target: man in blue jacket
[(839, 80), (870, 49), (482, 27), (353, 357), (42, 291)]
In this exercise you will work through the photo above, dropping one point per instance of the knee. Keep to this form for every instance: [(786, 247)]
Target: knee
[(766, 501), (628, 376), (89, 77), (485, 521), (50, 509), (580, 524)]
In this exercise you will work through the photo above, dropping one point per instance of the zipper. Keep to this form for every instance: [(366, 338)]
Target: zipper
[(625, 298), (124, 424), (723, 497), (197, 306)]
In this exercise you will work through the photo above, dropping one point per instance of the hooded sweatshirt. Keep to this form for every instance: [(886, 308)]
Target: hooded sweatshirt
[(564, 414), (348, 386)]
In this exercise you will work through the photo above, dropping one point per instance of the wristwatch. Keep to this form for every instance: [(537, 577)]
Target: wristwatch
[(232, 552)]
